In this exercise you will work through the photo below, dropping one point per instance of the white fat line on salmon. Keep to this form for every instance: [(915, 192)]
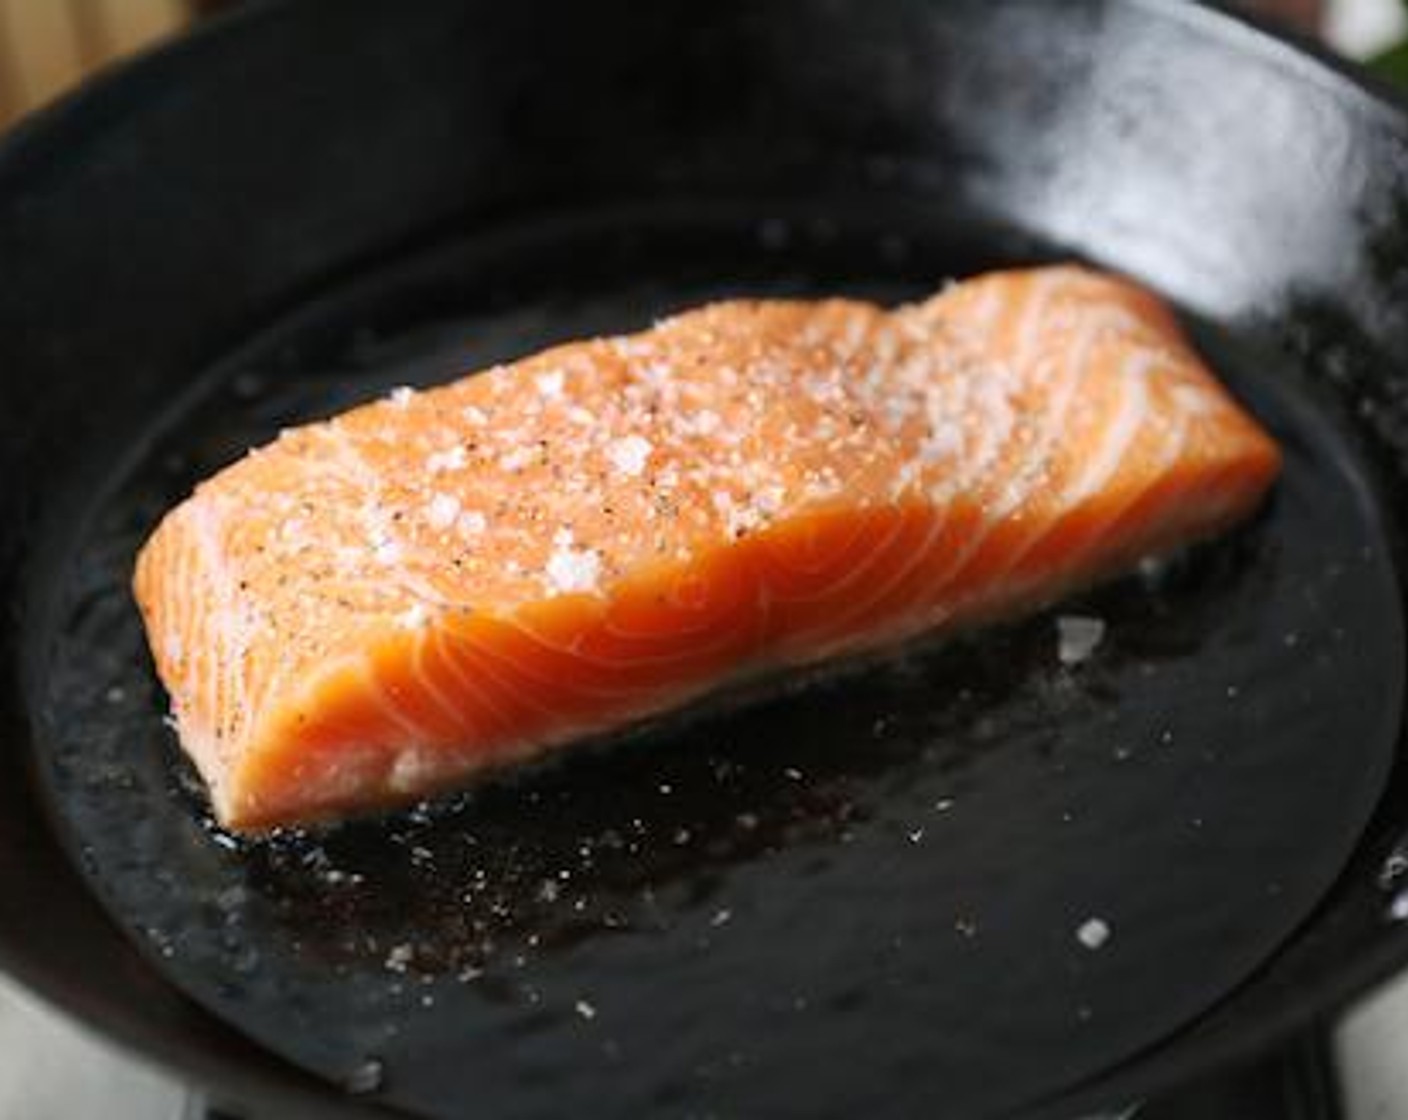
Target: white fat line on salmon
[(1077, 373), (207, 531), (448, 706), (610, 668), (1174, 439), (856, 573), (1040, 293), (365, 667), (1128, 422), (917, 557), (454, 651)]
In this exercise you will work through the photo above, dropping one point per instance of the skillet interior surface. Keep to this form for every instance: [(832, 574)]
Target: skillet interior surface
[(841, 147), (895, 865)]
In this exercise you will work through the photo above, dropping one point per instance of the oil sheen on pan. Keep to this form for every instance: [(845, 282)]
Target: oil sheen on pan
[(374, 608), (984, 868)]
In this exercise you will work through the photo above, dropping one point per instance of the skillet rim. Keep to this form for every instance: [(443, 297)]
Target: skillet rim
[(241, 1068)]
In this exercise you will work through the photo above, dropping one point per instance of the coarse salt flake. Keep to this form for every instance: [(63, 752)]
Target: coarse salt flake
[(414, 617), (945, 441), (442, 511), (573, 570), (473, 523), (549, 384), (474, 415), (411, 770), (629, 454), (401, 395), (1093, 933), (386, 552), (1077, 637), (769, 499), (451, 459), (516, 459)]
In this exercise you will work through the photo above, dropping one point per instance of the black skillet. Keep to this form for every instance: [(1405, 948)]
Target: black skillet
[(968, 881)]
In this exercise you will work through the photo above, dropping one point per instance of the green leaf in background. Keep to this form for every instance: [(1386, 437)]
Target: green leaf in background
[(1393, 63)]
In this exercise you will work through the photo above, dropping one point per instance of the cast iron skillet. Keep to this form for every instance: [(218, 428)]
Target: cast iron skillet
[(968, 881)]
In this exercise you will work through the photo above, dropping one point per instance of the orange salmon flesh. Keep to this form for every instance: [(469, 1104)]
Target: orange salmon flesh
[(377, 607)]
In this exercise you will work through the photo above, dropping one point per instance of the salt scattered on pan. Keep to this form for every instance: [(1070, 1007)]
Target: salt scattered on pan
[(1398, 908), (442, 511), (1093, 933), (585, 1010), (1393, 869), (1077, 637), (400, 957), (1152, 570), (366, 1077), (629, 454)]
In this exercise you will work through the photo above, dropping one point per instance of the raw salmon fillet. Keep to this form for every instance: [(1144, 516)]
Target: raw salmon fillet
[(374, 608)]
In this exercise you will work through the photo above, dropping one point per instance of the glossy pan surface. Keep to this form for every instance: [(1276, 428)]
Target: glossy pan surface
[(875, 892)]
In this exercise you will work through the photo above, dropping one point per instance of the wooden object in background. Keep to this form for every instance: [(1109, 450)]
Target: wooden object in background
[(47, 46), (1305, 16)]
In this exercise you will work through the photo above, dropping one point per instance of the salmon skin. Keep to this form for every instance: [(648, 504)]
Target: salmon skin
[(374, 608)]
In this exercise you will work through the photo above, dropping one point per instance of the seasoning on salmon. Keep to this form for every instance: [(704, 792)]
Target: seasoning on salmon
[(374, 608)]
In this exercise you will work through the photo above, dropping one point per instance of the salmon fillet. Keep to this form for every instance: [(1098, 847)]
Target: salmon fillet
[(376, 607)]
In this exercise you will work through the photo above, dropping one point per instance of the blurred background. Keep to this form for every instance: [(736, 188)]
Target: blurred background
[(47, 46)]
